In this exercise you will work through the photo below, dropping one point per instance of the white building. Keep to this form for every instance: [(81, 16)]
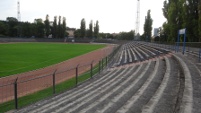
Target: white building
[(156, 32)]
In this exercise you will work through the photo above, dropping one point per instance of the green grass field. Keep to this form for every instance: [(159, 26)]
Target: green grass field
[(22, 57)]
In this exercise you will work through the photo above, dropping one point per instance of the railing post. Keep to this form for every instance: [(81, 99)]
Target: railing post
[(175, 47), (15, 93), (200, 55), (106, 61), (53, 81), (76, 72), (99, 66), (92, 69), (102, 64)]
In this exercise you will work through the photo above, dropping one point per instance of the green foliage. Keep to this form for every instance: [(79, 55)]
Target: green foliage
[(82, 28), (47, 26), (26, 30), (77, 33), (182, 14), (148, 26), (96, 29), (22, 57), (126, 35), (64, 33), (172, 22), (90, 32), (40, 29), (39, 26), (54, 28), (107, 35), (59, 28), (3, 28), (199, 21), (165, 9), (12, 26)]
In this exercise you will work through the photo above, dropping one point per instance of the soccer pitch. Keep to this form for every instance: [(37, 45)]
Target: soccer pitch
[(22, 57)]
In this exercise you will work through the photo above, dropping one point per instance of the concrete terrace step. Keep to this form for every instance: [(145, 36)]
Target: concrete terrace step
[(149, 53), (85, 87), (125, 96), (136, 51), (123, 91), (192, 96), (169, 101), (146, 91), (187, 99), (55, 104), (104, 93), (142, 52), (149, 107), (134, 98)]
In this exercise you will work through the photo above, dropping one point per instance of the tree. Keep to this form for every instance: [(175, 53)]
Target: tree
[(54, 28), (165, 9), (173, 12), (165, 31), (83, 28), (199, 21), (26, 29), (39, 28), (47, 26), (172, 23), (77, 33), (90, 32), (3, 28), (191, 18), (182, 14), (148, 26), (96, 29), (126, 35), (64, 27), (59, 28), (12, 26)]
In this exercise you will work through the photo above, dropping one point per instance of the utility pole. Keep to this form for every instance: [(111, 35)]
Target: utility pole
[(18, 18)]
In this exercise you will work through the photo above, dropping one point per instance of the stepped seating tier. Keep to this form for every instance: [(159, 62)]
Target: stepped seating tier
[(141, 78)]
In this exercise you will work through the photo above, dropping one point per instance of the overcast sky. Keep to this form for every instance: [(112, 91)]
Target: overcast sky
[(113, 15)]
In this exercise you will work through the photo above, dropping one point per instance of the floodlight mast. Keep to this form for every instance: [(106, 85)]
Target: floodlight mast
[(18, 18), (137, 23), (18, 11)]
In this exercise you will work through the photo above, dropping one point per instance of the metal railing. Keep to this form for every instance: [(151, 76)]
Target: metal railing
[(191, 47)]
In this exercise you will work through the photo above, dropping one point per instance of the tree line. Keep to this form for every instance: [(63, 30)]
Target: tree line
[(39, 28), (91, 32), (179, 14), (55, 29), (182, 14), (120, 36)]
